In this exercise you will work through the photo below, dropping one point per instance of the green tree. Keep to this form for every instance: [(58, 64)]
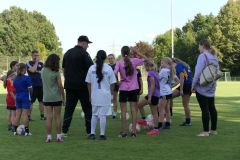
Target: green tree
[(146, 49)]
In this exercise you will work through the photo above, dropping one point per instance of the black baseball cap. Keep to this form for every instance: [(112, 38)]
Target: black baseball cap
[(84, 39)]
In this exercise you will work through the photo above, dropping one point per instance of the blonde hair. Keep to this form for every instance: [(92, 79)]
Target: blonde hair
[(171, 67), (150, 62), (176, 60)]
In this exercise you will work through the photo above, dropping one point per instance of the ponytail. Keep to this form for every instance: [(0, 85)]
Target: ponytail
[(20, 69), (171, 67), (5, 82), (101, 56), (128, 64)]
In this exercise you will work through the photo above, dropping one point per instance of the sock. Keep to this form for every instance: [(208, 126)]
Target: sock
[(155, 128), (49, 136), (27, 129), (159, 124), (16, 128), (188, 120), (42, 115), (102, 124), (167, 124), (29, 116), (114, 113), (144, 118), (94, 123), (58, 135), (171, 111)]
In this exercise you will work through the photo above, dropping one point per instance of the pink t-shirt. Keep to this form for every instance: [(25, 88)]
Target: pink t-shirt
[(129, 83)]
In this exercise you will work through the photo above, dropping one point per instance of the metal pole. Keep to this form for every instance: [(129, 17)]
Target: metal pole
[(172, 28)]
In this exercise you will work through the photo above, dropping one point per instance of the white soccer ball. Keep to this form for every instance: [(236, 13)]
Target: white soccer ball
[(82, 115), (150, 122), (21, 130), (127, 116), (137, 128)]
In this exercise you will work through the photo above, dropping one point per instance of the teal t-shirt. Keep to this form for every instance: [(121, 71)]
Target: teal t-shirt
[(51, 92)]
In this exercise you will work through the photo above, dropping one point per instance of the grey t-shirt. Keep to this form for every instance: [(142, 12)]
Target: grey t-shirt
[(51, 92)]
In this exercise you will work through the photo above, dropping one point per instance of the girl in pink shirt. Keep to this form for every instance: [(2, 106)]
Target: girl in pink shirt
[(128, 85)]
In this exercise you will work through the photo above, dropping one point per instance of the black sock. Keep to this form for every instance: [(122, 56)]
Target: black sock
[(27, 129), (167, 124), (29, 116), (16, 128), (143, 118), (159, 124), (171, 111), (42, 115)]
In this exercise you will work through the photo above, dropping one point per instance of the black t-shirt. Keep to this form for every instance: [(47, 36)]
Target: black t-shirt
[(113, 68), (139, 75), (76, 62)]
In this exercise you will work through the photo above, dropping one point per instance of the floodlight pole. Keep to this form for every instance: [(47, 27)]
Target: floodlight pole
[(172, 28)]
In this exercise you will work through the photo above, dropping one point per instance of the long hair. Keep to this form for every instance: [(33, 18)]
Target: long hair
[(100, 58), (176, 60), (150, 62), (171, 67), (128, 64), (9, 73), (208, 47), (13, 63), (20, 68), (52, 62)]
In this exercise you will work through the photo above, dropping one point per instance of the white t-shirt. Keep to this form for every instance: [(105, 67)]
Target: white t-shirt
[(101, 92), (164, 76)]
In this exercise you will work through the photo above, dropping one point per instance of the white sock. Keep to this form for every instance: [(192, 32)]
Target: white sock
[(49, 136), (114, 113), (93, 123), (102, 124), (58, 135)]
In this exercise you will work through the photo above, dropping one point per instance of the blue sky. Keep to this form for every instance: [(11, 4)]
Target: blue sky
[(124, 22)]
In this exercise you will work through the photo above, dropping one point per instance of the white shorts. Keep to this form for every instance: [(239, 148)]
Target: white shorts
[(101, 110)]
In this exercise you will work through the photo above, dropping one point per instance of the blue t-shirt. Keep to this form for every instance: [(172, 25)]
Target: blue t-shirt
[(186, 72), (35, 77), (21, 86)]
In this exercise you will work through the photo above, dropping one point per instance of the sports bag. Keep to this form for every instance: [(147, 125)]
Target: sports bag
[(210, 73)]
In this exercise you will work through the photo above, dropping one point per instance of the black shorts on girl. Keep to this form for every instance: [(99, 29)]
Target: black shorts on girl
[(58, 103), (154, 100), (116, 87), (186, 89), (166, 97), (11, 108), (130, 96)]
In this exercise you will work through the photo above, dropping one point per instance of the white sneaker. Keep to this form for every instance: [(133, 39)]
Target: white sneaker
[(28, 134)]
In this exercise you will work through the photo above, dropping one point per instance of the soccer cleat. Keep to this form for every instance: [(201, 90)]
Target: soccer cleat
[(213, 132), (153, 132), (30, 119), (60, 139), (122, 135), (203, 134), (114, 117), (92, 137), (43, 118), (142, 122), (166, 127), (185, 124), (48, 140), (15, 133), (133, 135), (9, 127), (160, 129), (28, 134), (64, 134), (102, 137)]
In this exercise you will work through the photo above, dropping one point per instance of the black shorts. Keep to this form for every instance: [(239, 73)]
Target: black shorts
[(37, 94), (58, 103), (11, 108), (186, 89), (166, 97), (154, 100), (130, 96), (116, 87)]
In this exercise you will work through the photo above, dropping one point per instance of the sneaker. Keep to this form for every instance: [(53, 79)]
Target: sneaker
[(185, 124), (133, 135), (48, 140), (203, 134), (64, 134), (102, 137), (28, 134), (144, 123), (43, 118), (9, 127), (30, 119), (60, 139), (153, 132), (92, 137), (114, 117), (213, 132), (15, 133), (122, 135), (166, 127)]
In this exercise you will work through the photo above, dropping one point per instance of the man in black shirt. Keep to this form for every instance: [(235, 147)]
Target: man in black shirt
[(75, 65)]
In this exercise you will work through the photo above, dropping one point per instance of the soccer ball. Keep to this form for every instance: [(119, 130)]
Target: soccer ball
[(21, 130), (127, 116), (150, 122), (82, 115), (137, 128)]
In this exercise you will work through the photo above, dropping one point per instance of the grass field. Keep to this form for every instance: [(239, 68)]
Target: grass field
[(177, 143)]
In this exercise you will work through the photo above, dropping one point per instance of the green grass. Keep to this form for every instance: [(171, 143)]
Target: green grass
[(177, 143)]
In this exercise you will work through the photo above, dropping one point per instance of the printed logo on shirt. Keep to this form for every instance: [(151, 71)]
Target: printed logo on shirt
[(39, 65), (104, 73)]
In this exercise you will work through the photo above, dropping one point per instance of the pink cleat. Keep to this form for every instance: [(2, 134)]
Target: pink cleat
[(144, 123), (48, 140), (59, 139), (153, 132)]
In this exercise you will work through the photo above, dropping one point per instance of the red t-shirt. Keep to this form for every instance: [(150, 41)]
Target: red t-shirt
[(10, 88)]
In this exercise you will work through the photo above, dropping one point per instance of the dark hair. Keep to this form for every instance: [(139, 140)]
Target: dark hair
[(128, 65), (52, 62), (34, 51), (207, 46), (100, 58), (13, 64), (20, 68)]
